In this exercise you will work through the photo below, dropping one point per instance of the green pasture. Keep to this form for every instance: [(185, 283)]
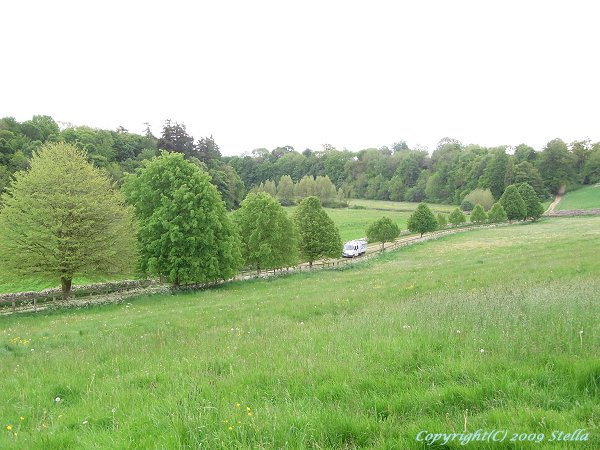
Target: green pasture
[(584, 198), (490, 329), (398, 206), (353, 223)]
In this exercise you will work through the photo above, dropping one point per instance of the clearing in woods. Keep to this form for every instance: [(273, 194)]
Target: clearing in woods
[(495, 328)]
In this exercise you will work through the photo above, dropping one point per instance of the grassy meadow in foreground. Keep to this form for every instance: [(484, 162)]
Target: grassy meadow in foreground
[(495, 327), (584, 198)]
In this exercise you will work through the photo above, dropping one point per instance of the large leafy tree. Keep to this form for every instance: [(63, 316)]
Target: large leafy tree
[(422, 220), (525, 172), (318, 235), (496, 172), (267, 233), (532, 202), (185, 233), (62, 219), (513, 203), (383, 230), (556, 165)]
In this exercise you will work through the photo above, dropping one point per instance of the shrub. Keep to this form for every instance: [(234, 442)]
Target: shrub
[(466, 205), (482, 197), (442, 221), (532, 202), (513, 204), (457, 217), (497, 213), (478, 215)]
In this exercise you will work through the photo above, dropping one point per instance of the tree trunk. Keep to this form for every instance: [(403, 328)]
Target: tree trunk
[(66, 287), (382, 246)]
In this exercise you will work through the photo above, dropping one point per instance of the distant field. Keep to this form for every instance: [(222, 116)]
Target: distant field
[(399, 206), (495, 328), (584, 198), (353, 223)]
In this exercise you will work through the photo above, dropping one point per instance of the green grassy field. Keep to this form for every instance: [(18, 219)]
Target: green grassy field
[(494, 328), (353, 223), (399, 206), (584, 198)]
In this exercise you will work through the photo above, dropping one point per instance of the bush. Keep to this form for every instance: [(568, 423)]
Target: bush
[(286, 202), (478, 215), (457, 217), (466, 205), (442, 221), (513, 203), (482, 197), (335, 204), (532, 202), (497, 214)]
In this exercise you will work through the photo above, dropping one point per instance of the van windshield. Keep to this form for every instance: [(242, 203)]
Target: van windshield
[(348, 247)]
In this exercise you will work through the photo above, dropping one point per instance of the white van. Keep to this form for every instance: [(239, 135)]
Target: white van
[(354, 248)]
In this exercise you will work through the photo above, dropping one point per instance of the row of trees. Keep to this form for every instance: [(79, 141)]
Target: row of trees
[(451, 172), (517, 202), (63, 218), (288, 192), (118, 153), (448, 175)]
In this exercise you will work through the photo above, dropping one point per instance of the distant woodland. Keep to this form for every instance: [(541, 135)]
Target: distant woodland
[(396, 173)]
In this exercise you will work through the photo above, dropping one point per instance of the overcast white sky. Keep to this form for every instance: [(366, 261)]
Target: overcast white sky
[(303, 73)]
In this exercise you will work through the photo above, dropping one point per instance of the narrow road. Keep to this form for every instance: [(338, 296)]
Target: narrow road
[(556, 201)]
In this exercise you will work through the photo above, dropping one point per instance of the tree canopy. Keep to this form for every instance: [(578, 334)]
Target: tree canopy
[(267, 233), (422, 220), (534, 208), (62, 219), (383, 230), (185, 233), (513, 204), (318, 235)]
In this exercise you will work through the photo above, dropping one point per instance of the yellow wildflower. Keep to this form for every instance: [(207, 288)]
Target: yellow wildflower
[(22, 418), (9, 427)]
